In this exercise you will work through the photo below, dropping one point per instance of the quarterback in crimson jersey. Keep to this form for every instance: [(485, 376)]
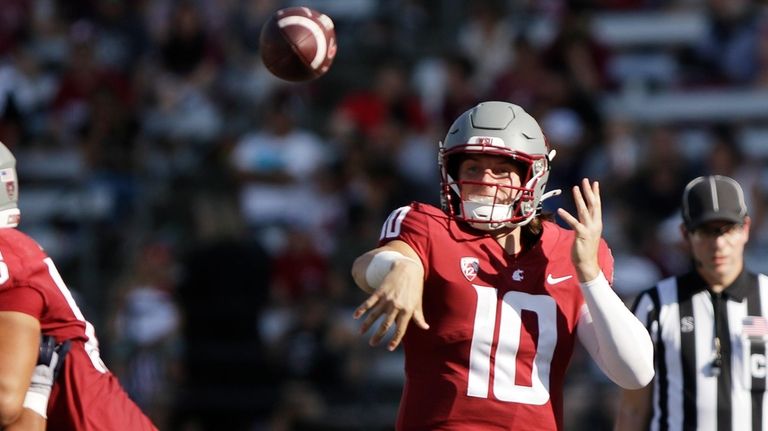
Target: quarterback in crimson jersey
[(494, 296), (85, 395), (469, 277)]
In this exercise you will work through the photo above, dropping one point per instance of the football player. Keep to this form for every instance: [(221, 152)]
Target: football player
[(34, 300), (497, 292)]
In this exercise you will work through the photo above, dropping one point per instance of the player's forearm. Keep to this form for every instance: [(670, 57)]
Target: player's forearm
[(359, 268), (28, 421), (587, 270), (10, 408), (623, 344), (370, 269)]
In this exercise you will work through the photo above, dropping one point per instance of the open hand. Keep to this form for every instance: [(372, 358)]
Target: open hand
[(588, 229), (398, 300)]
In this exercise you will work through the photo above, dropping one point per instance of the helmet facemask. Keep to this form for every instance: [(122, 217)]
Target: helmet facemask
[(504, 130), (510, 205)]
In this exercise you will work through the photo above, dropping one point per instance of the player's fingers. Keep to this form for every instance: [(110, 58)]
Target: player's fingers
[(581, 206), (596, 195), (586, 191), (402, 326), (371, 318), (571, 220), (418, 317), (366, 305), (387, 322), (591, 194), (574, 223)]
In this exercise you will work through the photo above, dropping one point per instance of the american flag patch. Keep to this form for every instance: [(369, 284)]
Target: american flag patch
[(754, 327)]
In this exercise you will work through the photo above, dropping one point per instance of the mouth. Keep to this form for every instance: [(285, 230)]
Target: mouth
[(481, 199)]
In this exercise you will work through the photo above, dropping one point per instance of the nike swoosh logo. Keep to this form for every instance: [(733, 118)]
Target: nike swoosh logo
[(553, 280)]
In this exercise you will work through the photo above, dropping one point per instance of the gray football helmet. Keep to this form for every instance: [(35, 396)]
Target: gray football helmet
[(9, 189), (501, 129)]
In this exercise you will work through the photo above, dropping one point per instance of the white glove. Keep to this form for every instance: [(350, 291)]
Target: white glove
[(49, 363)]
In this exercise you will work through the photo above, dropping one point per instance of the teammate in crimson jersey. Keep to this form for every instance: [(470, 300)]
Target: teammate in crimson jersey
[(506, 292), (34, 300)]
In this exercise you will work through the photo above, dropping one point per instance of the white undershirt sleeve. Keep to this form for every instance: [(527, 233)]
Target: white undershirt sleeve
[(613, 336)]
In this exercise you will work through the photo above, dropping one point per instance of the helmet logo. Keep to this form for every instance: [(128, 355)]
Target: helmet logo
[(485, 141), (10, 188), (470, 267)]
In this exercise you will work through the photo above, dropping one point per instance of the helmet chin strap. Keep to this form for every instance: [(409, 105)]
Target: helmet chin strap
[(482, 209), (9, 218), (487, 211), (550, 194)]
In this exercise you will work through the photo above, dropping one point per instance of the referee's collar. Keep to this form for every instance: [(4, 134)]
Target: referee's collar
[(738, 290)]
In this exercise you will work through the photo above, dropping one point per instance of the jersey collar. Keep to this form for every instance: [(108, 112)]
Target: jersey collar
[(741, 287)]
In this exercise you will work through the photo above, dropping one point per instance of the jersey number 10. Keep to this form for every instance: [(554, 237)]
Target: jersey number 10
[(505, 368)]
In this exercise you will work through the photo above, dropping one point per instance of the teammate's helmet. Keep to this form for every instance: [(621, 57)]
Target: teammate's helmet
[(9, 189), (501, 129)]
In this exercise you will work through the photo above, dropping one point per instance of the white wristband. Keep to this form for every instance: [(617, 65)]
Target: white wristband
[(600, 280), (37, 402), (380, 266)]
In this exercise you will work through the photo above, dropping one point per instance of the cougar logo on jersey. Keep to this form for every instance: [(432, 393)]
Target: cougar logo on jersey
[(518, 275), (686, 324), (469, 267)]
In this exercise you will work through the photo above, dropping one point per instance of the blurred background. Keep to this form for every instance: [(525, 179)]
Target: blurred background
[(206, 214)]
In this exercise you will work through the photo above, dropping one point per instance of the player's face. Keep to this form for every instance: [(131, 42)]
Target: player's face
[(718, 249), (484, 177)]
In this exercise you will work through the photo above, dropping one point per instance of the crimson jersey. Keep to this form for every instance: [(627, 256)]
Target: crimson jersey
[(502, 327), (86, 396)]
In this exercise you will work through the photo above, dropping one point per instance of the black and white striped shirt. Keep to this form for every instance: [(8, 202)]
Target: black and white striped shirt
[(699, 386)]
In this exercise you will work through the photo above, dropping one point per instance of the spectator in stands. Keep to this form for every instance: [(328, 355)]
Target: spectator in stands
[(728, 54), (390, 96), (275, 166)]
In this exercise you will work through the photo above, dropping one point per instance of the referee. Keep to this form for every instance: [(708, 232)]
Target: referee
[(708, 326)]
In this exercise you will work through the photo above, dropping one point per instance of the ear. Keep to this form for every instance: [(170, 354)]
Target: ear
[(684, 232), (747, 224)]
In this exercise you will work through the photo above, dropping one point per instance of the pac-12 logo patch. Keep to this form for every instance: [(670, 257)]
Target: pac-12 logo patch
[(469, 267)]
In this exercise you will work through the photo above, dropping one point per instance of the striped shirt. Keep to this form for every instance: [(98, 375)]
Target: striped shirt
[(710, 353)]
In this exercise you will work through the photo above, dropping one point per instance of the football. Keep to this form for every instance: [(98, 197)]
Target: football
[(298, 44)]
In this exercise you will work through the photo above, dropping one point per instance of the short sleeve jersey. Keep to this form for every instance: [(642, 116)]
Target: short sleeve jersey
[(502, 327), (86, 396)]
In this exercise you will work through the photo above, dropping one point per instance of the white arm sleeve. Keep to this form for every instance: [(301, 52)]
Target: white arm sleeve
[(614, 337)]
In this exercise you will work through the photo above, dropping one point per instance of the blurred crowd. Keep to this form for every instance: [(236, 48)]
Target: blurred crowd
[(207, 213)]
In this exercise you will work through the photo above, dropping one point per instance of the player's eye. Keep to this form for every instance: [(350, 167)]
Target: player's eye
[(472, 169), (502, 170)]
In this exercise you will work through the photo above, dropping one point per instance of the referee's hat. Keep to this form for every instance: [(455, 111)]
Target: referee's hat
[(711, 198)]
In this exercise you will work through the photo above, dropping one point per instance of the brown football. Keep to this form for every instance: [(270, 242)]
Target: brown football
[(298, 44)]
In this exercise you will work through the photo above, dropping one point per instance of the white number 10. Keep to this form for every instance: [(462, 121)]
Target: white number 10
[(510, 328)]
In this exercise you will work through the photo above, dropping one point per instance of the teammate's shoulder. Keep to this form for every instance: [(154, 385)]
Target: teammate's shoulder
[(13, 236), (18, 241)]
